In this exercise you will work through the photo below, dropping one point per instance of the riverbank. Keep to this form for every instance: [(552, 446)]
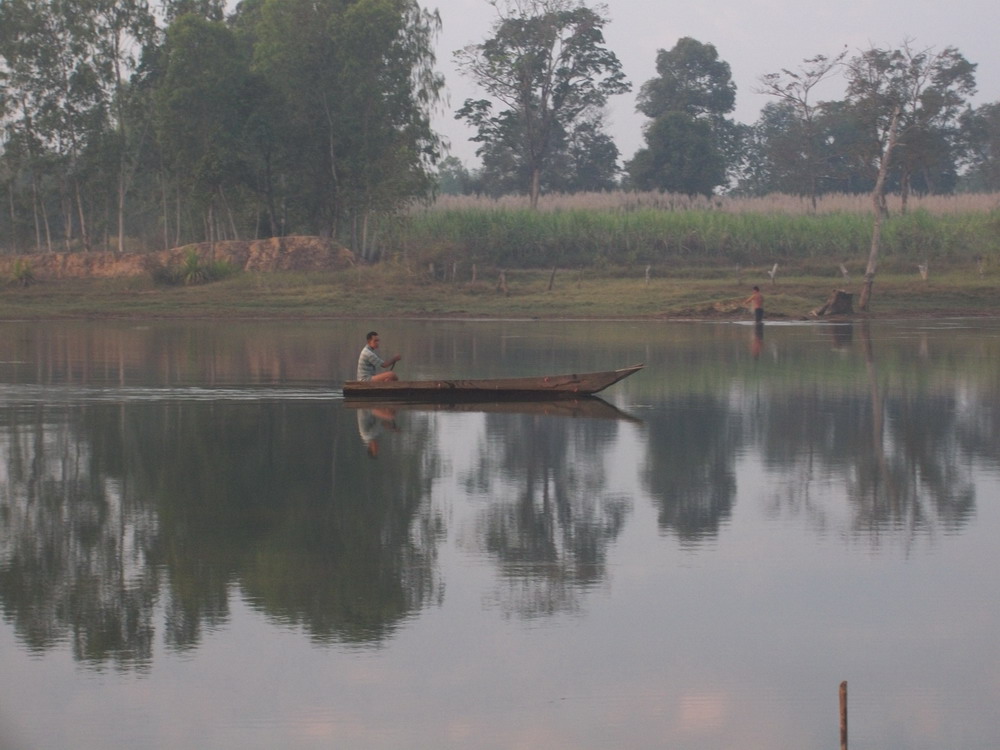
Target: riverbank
[(368, 291)]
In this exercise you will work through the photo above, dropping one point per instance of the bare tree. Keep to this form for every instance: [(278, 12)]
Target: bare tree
[(796, 88), (879, 206)]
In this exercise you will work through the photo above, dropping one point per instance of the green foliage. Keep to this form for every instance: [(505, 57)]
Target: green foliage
[(690, 79), (689, 142), (547, 66), (981, 127), (681, 156), (194, 270), (523, 238), (21, 274)]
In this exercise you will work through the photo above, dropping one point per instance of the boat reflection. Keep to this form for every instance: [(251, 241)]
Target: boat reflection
[(375, 414)]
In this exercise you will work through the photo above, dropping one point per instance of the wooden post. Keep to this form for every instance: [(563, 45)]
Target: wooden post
[(648, 269), (502, 284), (552, 279), (473, 273), (843, 715)]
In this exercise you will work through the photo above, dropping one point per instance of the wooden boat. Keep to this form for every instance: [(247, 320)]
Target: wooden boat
[(530, 388)]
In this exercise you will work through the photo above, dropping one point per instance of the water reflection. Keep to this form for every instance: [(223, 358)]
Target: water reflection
[(371, 424), (689, 468), (109, 509), (550, 518)]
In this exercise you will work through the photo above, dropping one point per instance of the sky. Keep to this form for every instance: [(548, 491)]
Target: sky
[(755, 37)]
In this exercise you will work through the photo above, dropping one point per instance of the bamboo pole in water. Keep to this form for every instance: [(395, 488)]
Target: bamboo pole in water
[(843, 715)]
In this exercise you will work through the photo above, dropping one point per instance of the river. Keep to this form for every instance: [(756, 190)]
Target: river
[(203, 545)]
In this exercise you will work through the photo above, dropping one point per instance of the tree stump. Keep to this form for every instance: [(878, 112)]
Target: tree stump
[(840, 303)]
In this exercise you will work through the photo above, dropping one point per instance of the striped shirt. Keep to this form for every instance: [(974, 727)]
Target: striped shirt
[(368, 363)]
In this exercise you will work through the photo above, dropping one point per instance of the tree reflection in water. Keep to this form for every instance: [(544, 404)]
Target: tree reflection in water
[(109, 510), (894, 444), (690, 465), (116, 517), (549, 519)]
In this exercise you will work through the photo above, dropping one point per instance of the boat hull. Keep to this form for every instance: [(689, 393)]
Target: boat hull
[(543, 387)]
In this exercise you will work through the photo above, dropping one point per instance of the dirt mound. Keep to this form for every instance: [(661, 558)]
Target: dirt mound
[(274, 254)]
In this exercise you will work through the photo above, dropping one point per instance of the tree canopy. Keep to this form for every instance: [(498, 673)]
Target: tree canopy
[(689, 138), (287, 116), (547, 73)]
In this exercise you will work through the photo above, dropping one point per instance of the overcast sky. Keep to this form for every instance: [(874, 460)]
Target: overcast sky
[(753, 36)]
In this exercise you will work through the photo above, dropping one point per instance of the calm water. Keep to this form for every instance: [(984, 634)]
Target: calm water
[(202, 545)]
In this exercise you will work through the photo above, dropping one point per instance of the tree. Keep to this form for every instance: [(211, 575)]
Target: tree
[(682, 157), (692, 80), (351, 89), (879, 210), (795, 88), (202, 106), (690, 142), (121, 27), (929, 89), (547, 68), (54, 79), (453, 178), (981, 132)]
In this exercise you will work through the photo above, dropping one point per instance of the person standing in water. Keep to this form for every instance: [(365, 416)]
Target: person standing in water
[(756, 303)]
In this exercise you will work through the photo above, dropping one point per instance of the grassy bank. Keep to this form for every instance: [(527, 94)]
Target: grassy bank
[(395, 290)]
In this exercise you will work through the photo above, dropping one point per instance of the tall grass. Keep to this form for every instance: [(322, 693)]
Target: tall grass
[(699, 232), (776, 203)]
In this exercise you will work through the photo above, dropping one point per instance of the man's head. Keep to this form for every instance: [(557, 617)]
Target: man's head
[(372, 339), (756, 288)]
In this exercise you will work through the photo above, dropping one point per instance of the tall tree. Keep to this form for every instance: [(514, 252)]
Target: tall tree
[(202, 108), (54, 78), (796, 89), (352, 86), (122, 28), (689, 141), (929, 89), (545, 68)]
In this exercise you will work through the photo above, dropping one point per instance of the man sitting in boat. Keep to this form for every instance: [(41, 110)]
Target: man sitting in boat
[(369, 362)]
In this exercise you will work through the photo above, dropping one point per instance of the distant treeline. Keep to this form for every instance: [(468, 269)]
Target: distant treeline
[(126, 125), (130, 126)]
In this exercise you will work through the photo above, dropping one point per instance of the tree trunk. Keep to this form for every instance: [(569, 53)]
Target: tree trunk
[(536, 181), (84, 233), (121, 210), (13, 226), (879, 206)]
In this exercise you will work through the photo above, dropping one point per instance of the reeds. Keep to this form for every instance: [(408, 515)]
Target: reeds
[(777, 203), (662, 230)]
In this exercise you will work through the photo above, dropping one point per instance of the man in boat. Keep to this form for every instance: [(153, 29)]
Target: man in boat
[(369, 362)]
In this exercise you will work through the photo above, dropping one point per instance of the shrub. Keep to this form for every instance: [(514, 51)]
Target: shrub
[(192, 271), (21, 274)]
